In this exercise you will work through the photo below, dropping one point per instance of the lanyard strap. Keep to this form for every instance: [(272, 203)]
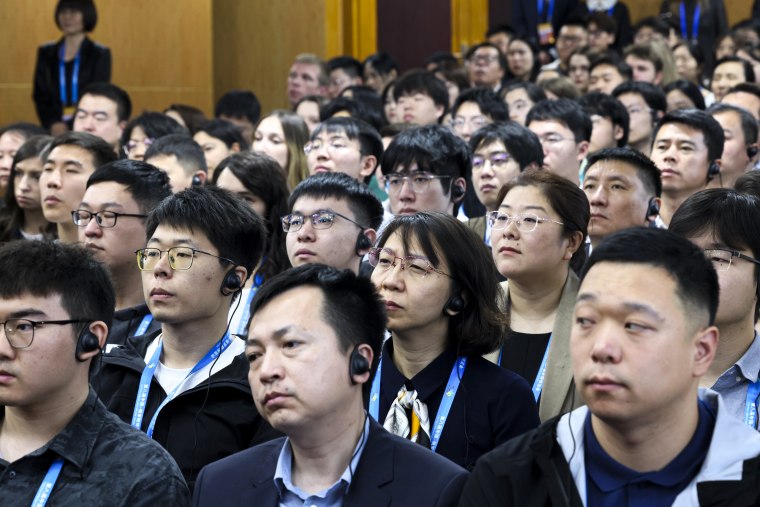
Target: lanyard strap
[(147, 377), (62, 77), (243, 324), (48, 483), (457, 372), (750, 409), (694, 25), (541, 10), (538, 384), (144, 324)]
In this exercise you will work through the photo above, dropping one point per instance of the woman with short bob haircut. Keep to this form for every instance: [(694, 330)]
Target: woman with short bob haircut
[(537, 240), (444, 304)]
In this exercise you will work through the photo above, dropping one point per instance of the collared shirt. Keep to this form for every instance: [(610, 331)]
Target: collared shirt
[(106, 462), (293, 496), (732, 385), (610, 483)]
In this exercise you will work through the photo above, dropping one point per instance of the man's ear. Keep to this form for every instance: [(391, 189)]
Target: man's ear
[(368, 164), (371, 236), (617, 132), (582, 148), (458, 195), (235, 148), (202, 176), (100, 330), (366, 351), (705, 346)]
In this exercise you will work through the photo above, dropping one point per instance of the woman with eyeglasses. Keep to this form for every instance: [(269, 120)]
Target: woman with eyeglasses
[(282, 135), (538, 239), (442, 297), (142, 131)]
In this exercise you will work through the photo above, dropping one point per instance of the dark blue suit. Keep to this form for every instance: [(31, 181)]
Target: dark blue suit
[(391, 471)]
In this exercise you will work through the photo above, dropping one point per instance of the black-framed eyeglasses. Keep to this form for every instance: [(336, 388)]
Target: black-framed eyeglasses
[(420, 182), (321, 219), (180, 257), (20, 332), (104, 219), (722, 257), (525, 222), (384, 259)]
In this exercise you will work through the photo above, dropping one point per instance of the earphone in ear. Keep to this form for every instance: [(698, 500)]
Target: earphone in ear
[(357, 364), (196, 181), (713, 170), (362, 243), (455, 304), (457, 192), (86, 342), (752, 150), (653, 208), (231, 283)]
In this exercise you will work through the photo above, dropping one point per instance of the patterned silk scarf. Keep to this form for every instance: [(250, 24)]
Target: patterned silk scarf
[(398, 421)]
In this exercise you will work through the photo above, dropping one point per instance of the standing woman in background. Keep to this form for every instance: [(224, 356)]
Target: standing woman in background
[(66, 67), (703, 22)]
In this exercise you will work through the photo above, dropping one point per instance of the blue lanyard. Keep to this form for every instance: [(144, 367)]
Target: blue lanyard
[(62, 77), (541, 10), (750, 409), (243, 324), (609, 12), (144, 324), (147, 376), (48, 483), (457, 372), (538, 384), (694, 25)]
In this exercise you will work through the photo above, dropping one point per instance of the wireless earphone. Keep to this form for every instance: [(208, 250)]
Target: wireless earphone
[(752, 150), (455, 304), (86, 342), (357, 365), (457, 192), (362, 243), (196, 181), (713, 170), (231, 283), (653, 208)]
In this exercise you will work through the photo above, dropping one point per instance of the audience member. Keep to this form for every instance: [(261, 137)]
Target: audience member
[(283, 136), (520, 99), (500, 36), (486, 66), (144, 130), (740, 147), (219, 139), (104, 111), (474, 109), (181, 159), (644, 62), (683, 94), (607, 72), (646, 103), (609, 120), (11, 138), (522, 60), (379, 69), (744, 95), (729, 72), (421, 98), (242, 109), (343, 71), (189, 117), (308, 109), (345, 145), (307, 76)]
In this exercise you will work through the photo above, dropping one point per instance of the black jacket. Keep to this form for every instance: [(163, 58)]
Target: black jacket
[(94, 67), (199, 426)]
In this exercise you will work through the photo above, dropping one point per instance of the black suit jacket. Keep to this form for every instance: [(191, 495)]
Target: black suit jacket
[(391, 471), (525, 16)]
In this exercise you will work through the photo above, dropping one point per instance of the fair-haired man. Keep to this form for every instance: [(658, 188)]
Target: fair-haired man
[(307, 76)]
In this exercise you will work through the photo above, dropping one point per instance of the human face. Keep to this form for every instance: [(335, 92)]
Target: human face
[(604, 133), (303, 79), (726, 76), (242, 123), (562, 155), (214, 150), (617, 197), (734, 160), (309, 111), (45, 371), (579, 65), (744, 100), (599, 40), (334, 246), (570, 38), (524, 256), (496, 167), (520, 59), (636, 352), (293, 355), (339, 81), (519, 105), (451, 88), (190, 295), (604, 78), (374, 79), (500, 40), (63, 181), (228, 181), (437, 197), (390, 108), (681, 155), (26, 183), (484, 67), (269, 138), (686, 65), (726, 47), (469, 118), (140, 142), (678, 100), (643, 70), (419, 109), (113, 246), (334, 152), (640, 121), (10, 142), (98, 116), (71, 21), (645, 35), (414, 304), (178, 177)]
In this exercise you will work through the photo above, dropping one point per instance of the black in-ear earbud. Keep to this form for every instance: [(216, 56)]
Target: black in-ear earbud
[(457, 192), (363, 243), (196, 181), (455, 304), (357, 365), (752, 150), (231, 283), (86, 342), (653, 208), (713, 170)]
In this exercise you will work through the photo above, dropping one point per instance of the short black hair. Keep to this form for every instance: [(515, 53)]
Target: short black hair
[(697, 120), (731, 217), (646, 170), (611, 59), (522, 144), (370, 142), (47, 268), (381, 62), (145, 183), (487, 100), (601, 104), (506, 29), (603, 22), (191, 116), (236, 231), (86, 7), (749, 72), (189, 153), (239, 104), (349, 64), (424, 82), (225, 131), (689, 89), (749, 124), (652, 95), (101, 151), (24, 129), (566, 111), (535, 93), (155, 125), (114, 94), (355, 108), (645, 52), (359, 198), (657, 25), (695, 277), (500, 56)]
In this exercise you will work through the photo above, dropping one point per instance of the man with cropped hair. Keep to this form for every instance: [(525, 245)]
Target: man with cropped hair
[(181, 158)]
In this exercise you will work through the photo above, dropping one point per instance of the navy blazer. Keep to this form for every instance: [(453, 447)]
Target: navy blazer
[(391, 471)]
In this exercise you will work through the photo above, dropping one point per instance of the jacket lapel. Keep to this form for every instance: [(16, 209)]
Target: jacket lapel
[(373, 480)]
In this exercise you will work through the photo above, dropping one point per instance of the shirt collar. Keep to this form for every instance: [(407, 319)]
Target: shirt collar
[(426, 382), (748, 363)]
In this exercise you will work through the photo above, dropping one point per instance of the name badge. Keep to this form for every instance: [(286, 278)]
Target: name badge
[(545, 34)]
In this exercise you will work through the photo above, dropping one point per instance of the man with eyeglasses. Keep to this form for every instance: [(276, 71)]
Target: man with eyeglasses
[(58, 443), (344, 71), (572, 35), (726, 225), (486, 66), (646, 104), (344, 145), (186, 387), (564, 129), (111, 221), (474, 109), (426, 169), (332, 220), (68, 162)]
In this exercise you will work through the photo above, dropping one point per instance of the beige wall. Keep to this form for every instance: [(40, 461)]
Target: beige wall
[(737, 10)]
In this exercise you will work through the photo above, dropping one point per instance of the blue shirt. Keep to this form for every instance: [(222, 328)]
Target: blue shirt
[(292, 496), (608, 483), (733, 383)]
